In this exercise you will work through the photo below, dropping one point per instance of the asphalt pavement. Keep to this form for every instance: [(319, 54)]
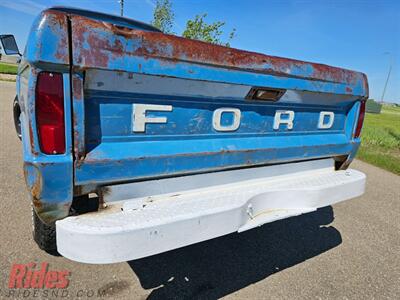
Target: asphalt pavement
[(348, 251)]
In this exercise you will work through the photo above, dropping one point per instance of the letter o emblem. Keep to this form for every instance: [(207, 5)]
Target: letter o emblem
[(217, 119)]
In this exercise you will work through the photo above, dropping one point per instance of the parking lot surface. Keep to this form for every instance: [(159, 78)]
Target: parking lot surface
[(348, 251)]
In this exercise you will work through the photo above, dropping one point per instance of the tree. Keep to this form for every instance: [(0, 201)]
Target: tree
[(198, 29), (163, 16)]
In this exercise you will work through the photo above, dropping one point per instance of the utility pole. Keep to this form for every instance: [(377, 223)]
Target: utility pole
[(121, 2), (387, 78)]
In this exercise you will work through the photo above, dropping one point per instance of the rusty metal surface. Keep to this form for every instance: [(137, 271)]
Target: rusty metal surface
[(78, 117), (97, 44), (48, 39)]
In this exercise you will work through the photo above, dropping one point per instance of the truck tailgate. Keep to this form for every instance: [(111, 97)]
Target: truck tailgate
[(149, 105)]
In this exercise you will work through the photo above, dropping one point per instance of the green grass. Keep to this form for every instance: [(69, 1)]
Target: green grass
[(8, 68), (380, 139)]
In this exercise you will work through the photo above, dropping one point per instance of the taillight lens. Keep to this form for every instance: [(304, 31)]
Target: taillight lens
[(360, 120), (50, 112)]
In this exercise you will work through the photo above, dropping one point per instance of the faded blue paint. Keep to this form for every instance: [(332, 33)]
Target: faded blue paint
[(110, 113), (48, 41), (48, 177), (188, 143)]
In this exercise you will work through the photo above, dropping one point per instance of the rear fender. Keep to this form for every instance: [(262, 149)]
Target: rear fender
[(49, 178)]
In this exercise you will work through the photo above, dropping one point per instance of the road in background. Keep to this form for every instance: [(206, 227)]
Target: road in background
[(350, 250)]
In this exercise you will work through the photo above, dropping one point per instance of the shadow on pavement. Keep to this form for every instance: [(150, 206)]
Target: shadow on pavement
[(221, 266)]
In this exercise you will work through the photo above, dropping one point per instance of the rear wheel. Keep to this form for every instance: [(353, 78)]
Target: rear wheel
[(17, 113), (44, 235)]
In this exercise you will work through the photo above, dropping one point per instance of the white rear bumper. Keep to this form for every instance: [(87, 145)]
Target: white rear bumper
[(172, 213)]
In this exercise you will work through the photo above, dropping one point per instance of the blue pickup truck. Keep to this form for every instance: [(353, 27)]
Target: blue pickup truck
[(136, 142)]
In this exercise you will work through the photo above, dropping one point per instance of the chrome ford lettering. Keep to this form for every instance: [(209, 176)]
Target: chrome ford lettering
[(288, 120), (217, 119), (321, 121), (139, 118), (283, 119)]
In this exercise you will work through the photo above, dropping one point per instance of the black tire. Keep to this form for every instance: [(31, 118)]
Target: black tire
[(17, 113), (44, 235)]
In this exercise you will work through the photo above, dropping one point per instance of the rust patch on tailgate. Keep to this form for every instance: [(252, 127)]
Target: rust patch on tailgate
[(58, 21), (98, 43), (57, 24)]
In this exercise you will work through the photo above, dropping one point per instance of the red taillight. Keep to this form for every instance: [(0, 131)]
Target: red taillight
[(50, 112), (360, 119)]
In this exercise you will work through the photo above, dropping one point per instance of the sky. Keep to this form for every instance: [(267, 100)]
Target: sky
[(361, 35)]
